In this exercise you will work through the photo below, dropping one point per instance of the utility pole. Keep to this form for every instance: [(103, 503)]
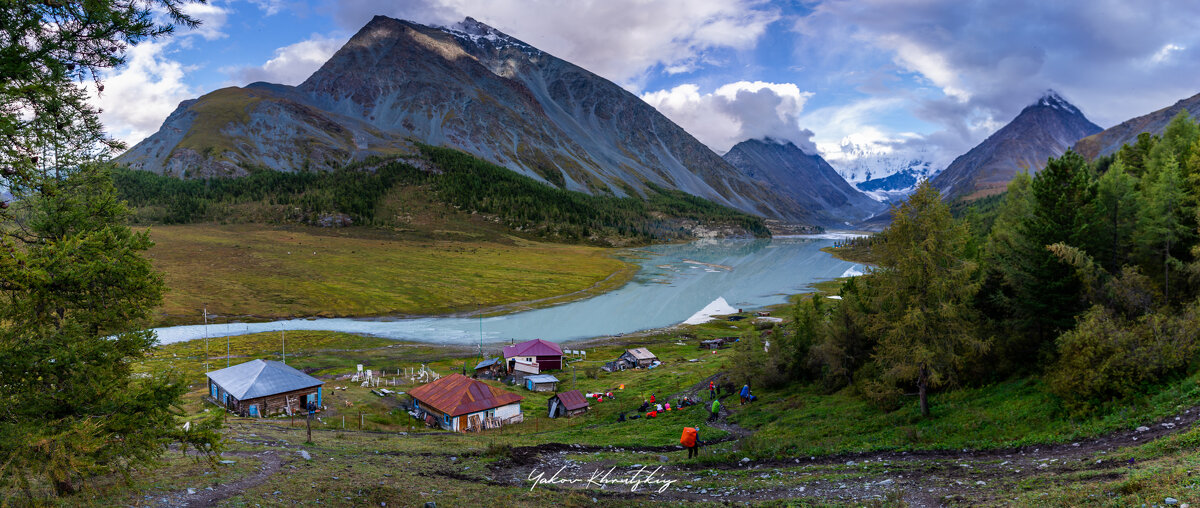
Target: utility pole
[(574, 379), (283, 336), (206, 365)]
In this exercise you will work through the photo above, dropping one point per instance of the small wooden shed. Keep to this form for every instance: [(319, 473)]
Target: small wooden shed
[(639, 357), (567, 404), (541, 383), (491, 368)]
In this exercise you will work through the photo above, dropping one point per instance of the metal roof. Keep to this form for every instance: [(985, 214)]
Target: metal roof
[(641, 353), (542, 378), (458, 395), (260, 378), (572, 400), (487, 363), (525, 367), (535, 347)]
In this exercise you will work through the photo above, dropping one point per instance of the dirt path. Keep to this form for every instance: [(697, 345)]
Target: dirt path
[(920, 479), (211, 496)]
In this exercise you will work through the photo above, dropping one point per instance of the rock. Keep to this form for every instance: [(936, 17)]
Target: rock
[(193, 491), (305, 455), (745, 460), (228, 462), (1171, 500), (636, 465), (594, 500), (663, 458), (1075, 445), (850, 463), (980, 482), (1143, 429), (430, 504), (886, 482), (452, 459), (276, 493)]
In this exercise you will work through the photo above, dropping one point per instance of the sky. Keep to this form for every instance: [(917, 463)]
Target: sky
[(844, 78)]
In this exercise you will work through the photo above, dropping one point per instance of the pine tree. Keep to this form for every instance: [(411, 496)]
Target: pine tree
[(925, 322), (76, 291), (1114, 215), (1163, 224)]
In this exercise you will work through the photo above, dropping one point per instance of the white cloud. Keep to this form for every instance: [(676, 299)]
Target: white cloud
[(269, 7), (736, 112), (291, 64), (618, 39), (138, 96), (212, 20), (1165, 52)]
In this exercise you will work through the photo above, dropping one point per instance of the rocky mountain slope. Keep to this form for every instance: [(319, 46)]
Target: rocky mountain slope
[(469, 87), (1042, 130), (1111, 139), (807, 179)]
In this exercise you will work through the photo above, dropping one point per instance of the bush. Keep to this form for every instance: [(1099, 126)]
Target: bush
[(1109, 357)]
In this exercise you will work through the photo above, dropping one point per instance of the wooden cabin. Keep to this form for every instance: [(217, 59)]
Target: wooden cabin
[(545, 354), (567, 404), (541, 383), (264, 388), (639, 357), (491, 368), (461, 404)]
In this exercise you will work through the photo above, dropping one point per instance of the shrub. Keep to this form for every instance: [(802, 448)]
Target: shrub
[(1109, 357)]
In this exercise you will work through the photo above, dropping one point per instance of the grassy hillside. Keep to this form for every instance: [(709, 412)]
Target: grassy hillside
[(444, 182), (265, 272), (793, 447)]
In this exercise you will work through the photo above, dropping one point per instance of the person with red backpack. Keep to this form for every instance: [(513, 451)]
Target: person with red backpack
[(691, 440)]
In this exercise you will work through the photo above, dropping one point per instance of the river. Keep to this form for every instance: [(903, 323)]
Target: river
[(674, 282)]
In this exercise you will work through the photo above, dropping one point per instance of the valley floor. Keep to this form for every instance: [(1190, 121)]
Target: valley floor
[(259, 272)]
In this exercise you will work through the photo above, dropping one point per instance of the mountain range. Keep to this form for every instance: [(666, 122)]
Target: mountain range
[(1044, 129), (806, 178), (470, 87), (1111, 139)]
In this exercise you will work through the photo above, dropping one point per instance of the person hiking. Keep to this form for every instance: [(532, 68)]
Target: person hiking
[(745, 395), (716, 410), (712, 391), (651, 398), (691, 440)]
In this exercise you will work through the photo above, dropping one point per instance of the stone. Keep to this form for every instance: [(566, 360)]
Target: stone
[(663, 458), (191, 491), (1143, 429), (1171, 500), (430, 504), (886, 482), (745, 460), (228, 462), (305, 455)]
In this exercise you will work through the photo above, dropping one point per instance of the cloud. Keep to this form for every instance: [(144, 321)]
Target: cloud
[(138, 96), (621, 40), (996, 56), (291, 64), (212, 20), (736, 112), (270, 7)]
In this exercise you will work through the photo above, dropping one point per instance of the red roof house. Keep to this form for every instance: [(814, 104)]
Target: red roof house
[(547, 355), (459, 403)]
